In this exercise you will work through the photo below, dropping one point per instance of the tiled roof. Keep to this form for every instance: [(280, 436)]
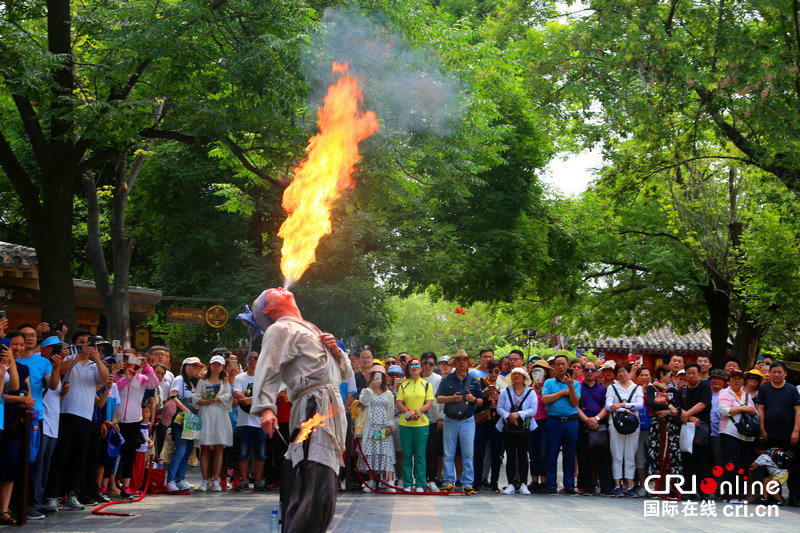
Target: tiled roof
[(16, 255), (658, 339)]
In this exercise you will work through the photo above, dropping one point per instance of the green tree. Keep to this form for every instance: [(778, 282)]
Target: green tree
[(80, 81), (673, 73)]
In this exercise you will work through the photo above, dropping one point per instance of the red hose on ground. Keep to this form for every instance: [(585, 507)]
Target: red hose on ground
[(98, 511), (357, 442)]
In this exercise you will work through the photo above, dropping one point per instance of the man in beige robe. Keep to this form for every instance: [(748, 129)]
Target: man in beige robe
[(312, 366)]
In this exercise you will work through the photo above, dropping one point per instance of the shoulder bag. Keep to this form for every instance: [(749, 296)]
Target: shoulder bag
[(625, 423)]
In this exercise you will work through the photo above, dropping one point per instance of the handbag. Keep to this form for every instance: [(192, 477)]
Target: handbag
[(598, 438), (525, 423), (748, 424), (687, 437), (625, 423)]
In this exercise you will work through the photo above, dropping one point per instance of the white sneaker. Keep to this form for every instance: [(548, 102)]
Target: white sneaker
[(510, 490), (391, 490), (215, 486), (433, 487), (419, 489), (172, 487), (523, 489), (399, 484), (182, 485), (368, 485), (203, 486)]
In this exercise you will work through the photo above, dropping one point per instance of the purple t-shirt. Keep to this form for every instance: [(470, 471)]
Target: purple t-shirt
[(593, 399)]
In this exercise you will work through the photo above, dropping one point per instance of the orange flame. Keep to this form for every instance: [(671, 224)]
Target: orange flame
[(310, 425), (320, 179)]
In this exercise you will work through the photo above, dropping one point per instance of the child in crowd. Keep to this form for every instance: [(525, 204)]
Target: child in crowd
[(770, 465), (214, 397)]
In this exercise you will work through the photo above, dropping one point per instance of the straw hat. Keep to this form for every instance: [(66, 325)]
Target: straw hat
[(460, 353)]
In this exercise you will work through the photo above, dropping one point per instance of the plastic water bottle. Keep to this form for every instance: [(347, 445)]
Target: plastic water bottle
[(274, 526)]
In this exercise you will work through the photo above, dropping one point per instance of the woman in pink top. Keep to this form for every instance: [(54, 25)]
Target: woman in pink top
[(131, 385)]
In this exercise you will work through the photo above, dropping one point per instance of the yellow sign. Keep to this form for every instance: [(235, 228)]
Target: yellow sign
[(178, 315), (141, 337), (216, 316)]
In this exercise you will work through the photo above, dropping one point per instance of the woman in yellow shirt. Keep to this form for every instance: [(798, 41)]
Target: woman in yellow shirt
[(414, 399)]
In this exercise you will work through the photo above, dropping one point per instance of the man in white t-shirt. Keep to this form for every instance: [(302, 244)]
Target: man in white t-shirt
[(248, 427), (84, 374)]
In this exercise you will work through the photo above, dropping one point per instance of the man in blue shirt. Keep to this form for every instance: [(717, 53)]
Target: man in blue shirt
[(560, 396), (460, 393)]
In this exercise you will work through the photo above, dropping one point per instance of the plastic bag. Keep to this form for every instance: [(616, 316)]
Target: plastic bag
[(687, 437), (359, 415)]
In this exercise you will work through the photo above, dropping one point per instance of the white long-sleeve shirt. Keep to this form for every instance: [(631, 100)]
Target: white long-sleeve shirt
[(527, 409)]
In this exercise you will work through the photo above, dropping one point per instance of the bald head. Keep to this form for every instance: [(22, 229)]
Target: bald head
[(279, 303)]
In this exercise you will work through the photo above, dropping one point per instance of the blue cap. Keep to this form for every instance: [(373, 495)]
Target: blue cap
[(395, 368), (49, 341), (341, 346)]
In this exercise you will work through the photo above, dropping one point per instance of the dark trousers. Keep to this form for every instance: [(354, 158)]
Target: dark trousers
[(794, 472), (516, 458), (93, 459), (276, 450), (131, 432), (737, 452), (537, 449), (434, 450), (697, 463), (161, 438), (311, 488), (67, 468), (593, 464), (487, 434), (562, 436)]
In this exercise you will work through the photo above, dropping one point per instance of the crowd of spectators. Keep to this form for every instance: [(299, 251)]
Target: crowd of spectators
[(101, 416)]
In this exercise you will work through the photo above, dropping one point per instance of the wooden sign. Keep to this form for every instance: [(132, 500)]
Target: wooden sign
[(141, 337), (178, 315), (216, 316)]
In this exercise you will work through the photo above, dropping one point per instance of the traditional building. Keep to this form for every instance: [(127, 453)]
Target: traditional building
[(19, 293), (655, 347)]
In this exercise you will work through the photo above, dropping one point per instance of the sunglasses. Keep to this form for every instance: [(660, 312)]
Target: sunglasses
[(413, 365), (388, 362), (495, 371), (590, 370), (428, 363)]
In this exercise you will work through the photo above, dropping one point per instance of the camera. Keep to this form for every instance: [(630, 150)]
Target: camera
[(569, 372), (2, 313), (75, 349), (134, 360), (55, 327)]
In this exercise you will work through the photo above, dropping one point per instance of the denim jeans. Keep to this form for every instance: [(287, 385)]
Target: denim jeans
[(180, 458), (252, 438), (563, 437), (459, 432), (42, 469)]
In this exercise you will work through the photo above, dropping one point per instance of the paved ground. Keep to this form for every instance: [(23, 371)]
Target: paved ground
[(364, 513), (367, 513)]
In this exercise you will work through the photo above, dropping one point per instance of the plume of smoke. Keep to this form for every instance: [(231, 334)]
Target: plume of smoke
[(406, 87)]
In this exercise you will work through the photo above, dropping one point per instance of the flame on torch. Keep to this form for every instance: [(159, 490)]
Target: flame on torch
[(311, 425), (320, 179)]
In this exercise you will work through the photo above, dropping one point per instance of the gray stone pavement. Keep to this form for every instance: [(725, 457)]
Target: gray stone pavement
[(364, 513)]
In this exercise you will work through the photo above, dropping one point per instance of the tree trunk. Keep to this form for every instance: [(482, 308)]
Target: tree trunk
[(718, 311), (748, 339), (115, 296)]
